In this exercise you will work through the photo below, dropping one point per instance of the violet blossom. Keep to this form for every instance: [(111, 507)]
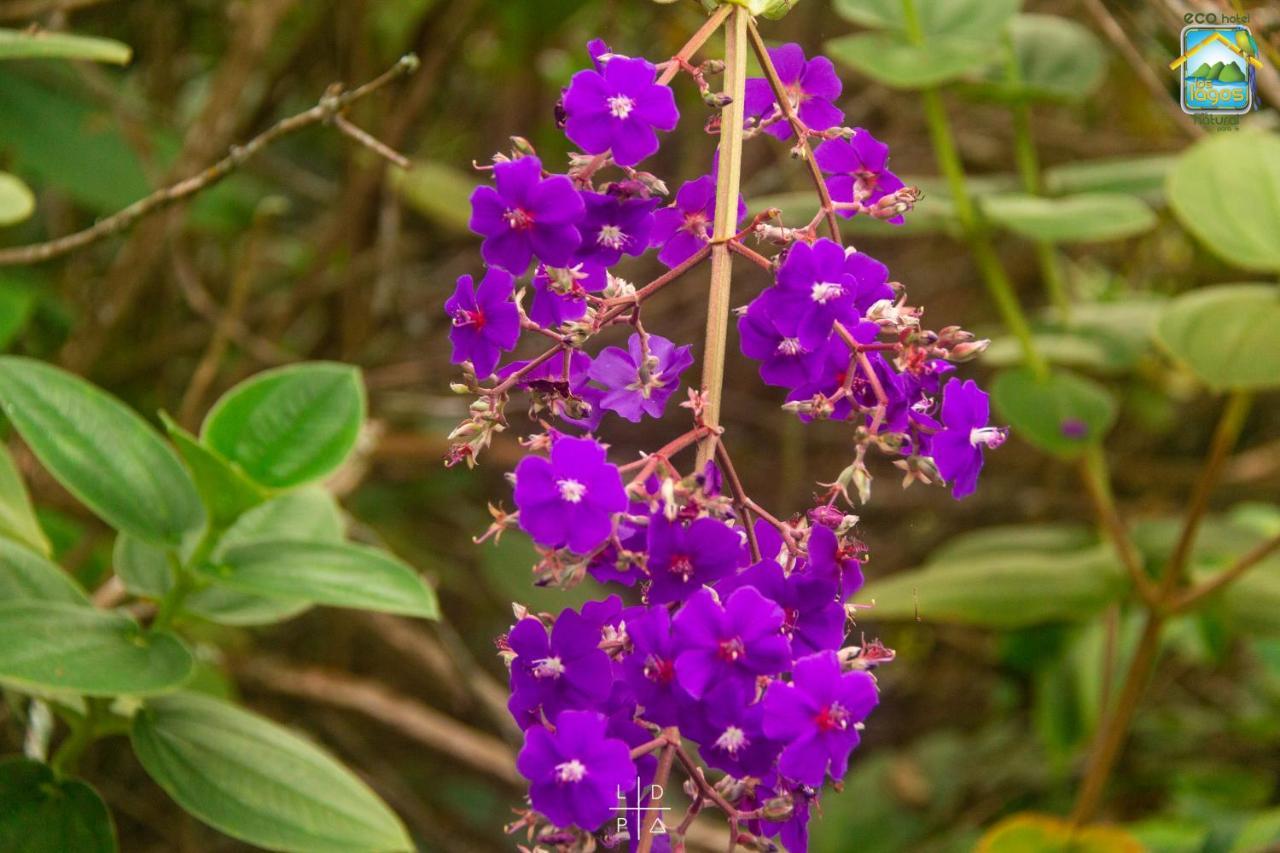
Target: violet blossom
[(812, 87), (570, 499), (618, 109), (484, 321), (639, 383), (527, 215)]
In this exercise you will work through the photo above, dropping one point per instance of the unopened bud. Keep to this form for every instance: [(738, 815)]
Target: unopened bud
[(716, 100), (778, 809), (968, 351)]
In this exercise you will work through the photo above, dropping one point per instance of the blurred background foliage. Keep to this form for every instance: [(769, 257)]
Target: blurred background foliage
[(1012, 632)]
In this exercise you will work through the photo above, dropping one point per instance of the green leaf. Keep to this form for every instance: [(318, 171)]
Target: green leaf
[(889, 58), (1007, 590), (27, 44), (980, 20), (54, 646), (1225, 190), (1057, 59), (1262, 832), (17, 515), (223, 487), (41, 814), (309, 515), (1251, 605), (255, 781), (25, 575), (1015, 538), (1084, 218), (1062, 414), (291, 425), (339, 575), (438, 192), (16, 201), (20, 292), (1025, 831), (1140, 176), (102, 452), (1226, 335)]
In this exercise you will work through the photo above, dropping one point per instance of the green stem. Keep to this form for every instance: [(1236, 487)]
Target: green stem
[(83, 732), (183, 582), (728, 180)]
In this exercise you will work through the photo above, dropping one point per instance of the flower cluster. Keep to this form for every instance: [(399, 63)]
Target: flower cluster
[(725, 626)]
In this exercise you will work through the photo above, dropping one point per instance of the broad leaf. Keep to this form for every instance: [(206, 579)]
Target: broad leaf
[(1061, 414), (19, 295), (26, 575), (980, 20), (1057, 60), (17, 516), (224, 489), (1226, 191), (1226, 335), (1140, 176), (1084, 218), (289, 426), (1008, 590), (1262, 832), (26, 44), (16, 201), (339, 575), (438, 192), (1024, 832), (41, 814), (102, 452), (1015, 538), (253, 780), (889, 58), (64, 647), (309, 515)]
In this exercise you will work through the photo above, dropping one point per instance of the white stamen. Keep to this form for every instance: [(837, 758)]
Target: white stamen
[(571, 771), (548, 668), (992, 437), (790, 346), (571, 490), (732, 740), (824, 291), (620, 106), (611, 236)]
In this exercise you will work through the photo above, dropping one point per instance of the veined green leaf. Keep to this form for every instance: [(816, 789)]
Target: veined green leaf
[(1226, 335), (225, 491), (253, 780), (17, 516), (26, 575), (102, 452), (1061, 414), (40, 813), (65, 647), (1058, 59), (1084, 218), (291, 425), (888, 57)]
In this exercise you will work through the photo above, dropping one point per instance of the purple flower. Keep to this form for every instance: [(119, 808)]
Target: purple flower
[(817, 716), (567, 671), (819, 289), (957, 449), (526, 215), (575, 773), (559, 294), (650, 669), (614, 226), (832, 563), (736, 642), (813, 616), (685, 226), (769, 333), (859, 169), (564, 387), (485, 322), (570, 499), (811, 87), (609, 564), (637, 385), (683, 558), (618, 108), (729, 728)]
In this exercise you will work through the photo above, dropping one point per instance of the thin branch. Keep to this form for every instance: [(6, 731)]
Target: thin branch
[(329, 107), (696, 41), (1259, 553), (1098, 485)]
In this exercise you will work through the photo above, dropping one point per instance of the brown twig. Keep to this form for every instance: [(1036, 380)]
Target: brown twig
[(696, 41), (329, 107), (1255, 556), (1098, 486)]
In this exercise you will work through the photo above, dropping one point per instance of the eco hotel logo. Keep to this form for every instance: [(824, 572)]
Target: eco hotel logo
[(1218, 64)]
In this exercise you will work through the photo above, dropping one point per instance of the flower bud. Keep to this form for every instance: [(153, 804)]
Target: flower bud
[(778, 809), (968, 351)]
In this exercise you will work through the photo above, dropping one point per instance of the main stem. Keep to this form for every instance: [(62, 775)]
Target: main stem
[(728, 179)]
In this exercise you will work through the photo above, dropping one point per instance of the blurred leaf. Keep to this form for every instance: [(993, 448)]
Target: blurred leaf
[(1057, 58), (889, 58), (1061, 414), (143, 569), (1170, 835), (1225, 190), (224, 489), (16, 201), (19, 295), (101, 451), (1084, 218), (39, 44), (1251, 605), (1140, 176), (291, 425), (338, 575), (440, 193), (1262, 832), (1015, 538), (1006, 590), (255, 781), (27, 576), (55, 646), (976, 19), (1025, 832), (40, 813), (17, 516), (1226, 334)]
